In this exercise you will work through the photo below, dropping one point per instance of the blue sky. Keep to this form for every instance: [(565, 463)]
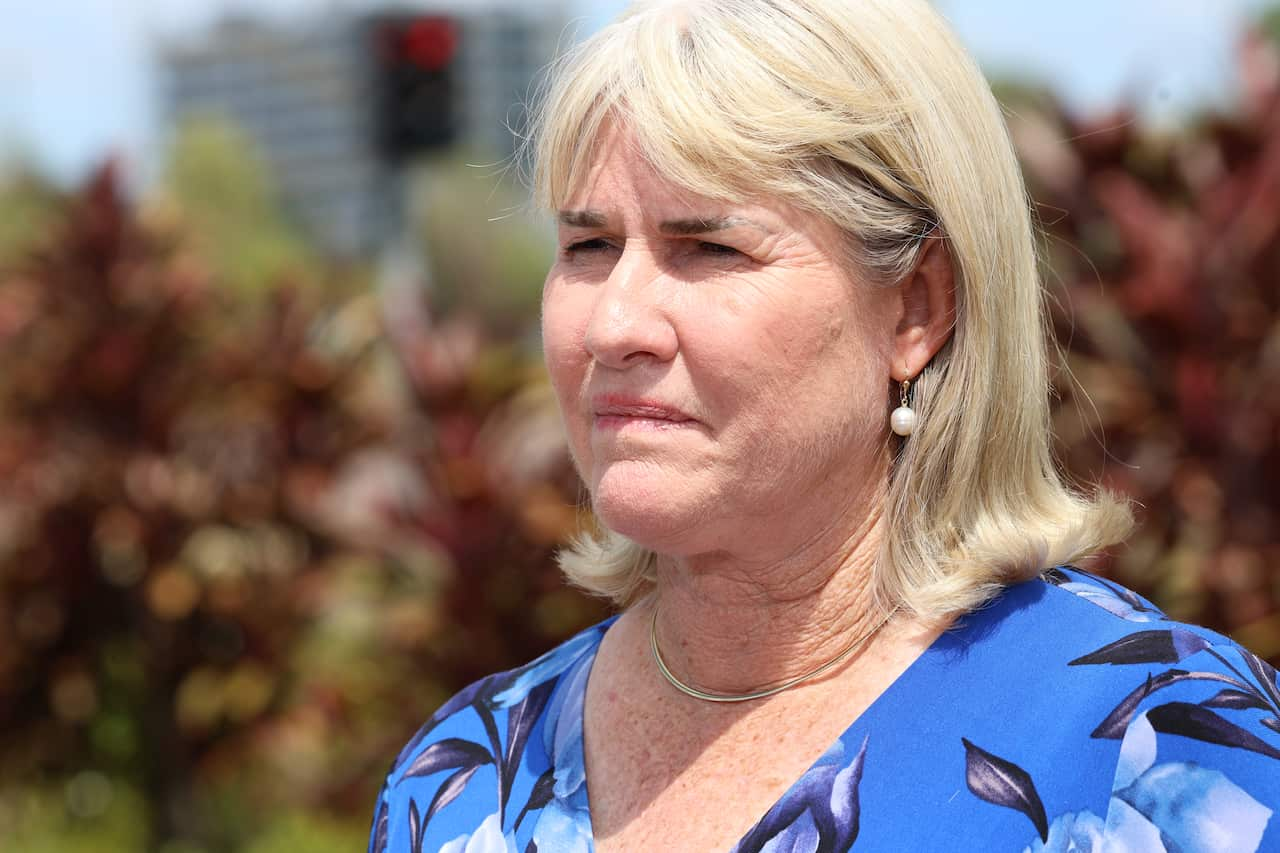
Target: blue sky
[(76, 79)]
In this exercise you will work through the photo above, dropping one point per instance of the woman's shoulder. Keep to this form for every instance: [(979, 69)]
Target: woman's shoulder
[(474, 706), (513, 733), (1197, 694), (1099, 656), (1111, 624), (1130, 726), (1101, 626)]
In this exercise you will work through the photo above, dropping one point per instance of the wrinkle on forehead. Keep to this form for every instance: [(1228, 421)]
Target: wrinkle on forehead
[(618, 138)]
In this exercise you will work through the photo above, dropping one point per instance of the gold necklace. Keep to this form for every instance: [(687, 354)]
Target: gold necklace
[(705, 696)]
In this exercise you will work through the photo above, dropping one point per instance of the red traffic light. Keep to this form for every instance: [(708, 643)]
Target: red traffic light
[(428, 43), (414, 78)]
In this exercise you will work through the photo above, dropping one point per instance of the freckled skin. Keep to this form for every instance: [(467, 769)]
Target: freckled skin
[(757, 331)]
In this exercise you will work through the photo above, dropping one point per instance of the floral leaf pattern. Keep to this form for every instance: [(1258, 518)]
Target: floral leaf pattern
[(819, 812), (1184, 758), (1154, 807), (525, 701), (520, 723), (1265, 674), (415, 827), (542, 792), (1003, 783), (1232, 698), (1161, 646), (378, 838), (1196, 721), (456, 703), (1118, 720), (448, 754), (449, 791), (485, 713)]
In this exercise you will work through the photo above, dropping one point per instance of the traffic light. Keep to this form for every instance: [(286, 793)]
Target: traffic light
[(414, 75)]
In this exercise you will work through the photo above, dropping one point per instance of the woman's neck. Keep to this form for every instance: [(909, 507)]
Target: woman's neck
[(727, 623)]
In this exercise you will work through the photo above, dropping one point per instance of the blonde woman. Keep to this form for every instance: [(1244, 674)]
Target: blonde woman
[(794, 329)]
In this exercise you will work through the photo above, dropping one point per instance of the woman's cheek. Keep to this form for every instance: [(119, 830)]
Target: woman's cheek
[(563, 324), (566, 359)]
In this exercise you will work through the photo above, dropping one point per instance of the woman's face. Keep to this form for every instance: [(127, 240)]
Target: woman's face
[(724, 379)]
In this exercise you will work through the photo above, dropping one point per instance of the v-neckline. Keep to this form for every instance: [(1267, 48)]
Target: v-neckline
[(944, 640)]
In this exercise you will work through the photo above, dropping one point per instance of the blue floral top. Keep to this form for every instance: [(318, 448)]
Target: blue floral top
[(1069, 714)]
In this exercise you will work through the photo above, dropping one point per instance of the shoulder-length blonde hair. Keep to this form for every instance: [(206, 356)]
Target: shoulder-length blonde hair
[(870, 113)]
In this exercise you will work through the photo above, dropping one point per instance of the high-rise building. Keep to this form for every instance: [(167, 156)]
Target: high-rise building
[(304, 93), (501, 55)]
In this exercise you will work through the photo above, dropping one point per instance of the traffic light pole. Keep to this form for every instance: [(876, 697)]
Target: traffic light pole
[(404, 269)]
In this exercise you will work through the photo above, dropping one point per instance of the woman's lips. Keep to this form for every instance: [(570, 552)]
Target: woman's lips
[(612, 412), (617, 422)]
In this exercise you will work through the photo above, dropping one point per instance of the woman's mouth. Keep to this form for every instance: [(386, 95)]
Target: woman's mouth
[(613, 412)]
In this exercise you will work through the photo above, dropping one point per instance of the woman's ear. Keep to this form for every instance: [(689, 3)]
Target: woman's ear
[(928, 309)]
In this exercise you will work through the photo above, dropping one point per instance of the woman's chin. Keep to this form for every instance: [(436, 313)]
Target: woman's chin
[(649, 510)]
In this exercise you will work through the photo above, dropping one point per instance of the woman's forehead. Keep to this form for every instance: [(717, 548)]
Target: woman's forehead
[(675, 212), (619, 172), (616, 147)]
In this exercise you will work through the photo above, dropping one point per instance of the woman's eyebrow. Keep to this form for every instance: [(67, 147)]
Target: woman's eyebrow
[(583, 218), (675, 227), (705, 225)]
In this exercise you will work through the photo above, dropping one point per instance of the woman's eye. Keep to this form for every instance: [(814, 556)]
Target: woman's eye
[(586, 246), (717, 248)]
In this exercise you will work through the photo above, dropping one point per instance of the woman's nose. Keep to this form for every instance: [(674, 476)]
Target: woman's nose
[(629, 322)]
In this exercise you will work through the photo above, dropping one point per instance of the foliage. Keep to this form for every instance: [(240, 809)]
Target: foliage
[(242, 552), (219, 186), (30, 205), (486, 256), (1162, 255), (88, 814)]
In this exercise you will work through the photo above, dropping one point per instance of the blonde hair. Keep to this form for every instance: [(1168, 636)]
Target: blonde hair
[(870, 113)]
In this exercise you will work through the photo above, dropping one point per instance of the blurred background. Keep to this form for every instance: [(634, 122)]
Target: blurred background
[(279, 466)]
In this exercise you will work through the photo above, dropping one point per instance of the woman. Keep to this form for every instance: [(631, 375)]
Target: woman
[(794, 330)]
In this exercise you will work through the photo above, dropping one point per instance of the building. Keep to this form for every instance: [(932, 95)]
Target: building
[(500, 57), (304, 93)]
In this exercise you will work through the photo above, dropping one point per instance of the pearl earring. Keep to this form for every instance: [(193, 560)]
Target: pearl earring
[(903, 419)]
